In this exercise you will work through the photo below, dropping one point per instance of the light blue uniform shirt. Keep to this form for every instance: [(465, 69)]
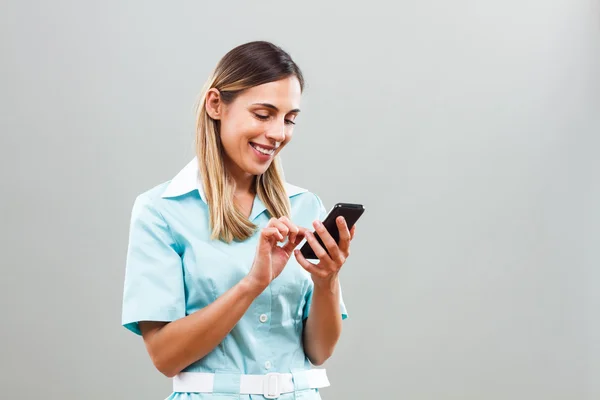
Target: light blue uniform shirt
[(173, 269)]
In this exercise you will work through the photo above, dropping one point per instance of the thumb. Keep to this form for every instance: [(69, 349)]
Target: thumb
[(268, 238)]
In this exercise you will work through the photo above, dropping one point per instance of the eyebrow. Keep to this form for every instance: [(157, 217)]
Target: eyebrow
[(272, 107)]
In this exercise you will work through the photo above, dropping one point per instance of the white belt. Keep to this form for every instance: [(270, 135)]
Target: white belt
[(271, 385)]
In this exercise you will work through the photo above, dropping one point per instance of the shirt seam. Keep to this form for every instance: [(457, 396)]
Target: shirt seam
[(175, 241)]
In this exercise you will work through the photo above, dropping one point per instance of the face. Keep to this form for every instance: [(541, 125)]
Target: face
[(256, 125)]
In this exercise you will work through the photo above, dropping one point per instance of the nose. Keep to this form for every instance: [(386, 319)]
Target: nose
[(276, 132)]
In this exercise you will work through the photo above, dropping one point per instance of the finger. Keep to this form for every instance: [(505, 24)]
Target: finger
[(344, 244), (317, 248), (291, 245), (283, 229), (301, 234), (292, 228), (352, 232), (272, 233), (328, 240), (307, 265)]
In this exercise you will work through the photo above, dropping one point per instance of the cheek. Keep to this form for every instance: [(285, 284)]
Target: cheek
[(232, 133), (226, 139), (244, 129), (288, 137)]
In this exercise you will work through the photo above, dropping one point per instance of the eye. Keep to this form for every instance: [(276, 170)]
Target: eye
[(290, 122), (261, 117)]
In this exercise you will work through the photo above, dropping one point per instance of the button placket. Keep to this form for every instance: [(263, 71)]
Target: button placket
[(263, 317)]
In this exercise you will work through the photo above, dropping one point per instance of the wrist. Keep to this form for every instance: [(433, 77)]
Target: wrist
[(329, 284), (252, 286)]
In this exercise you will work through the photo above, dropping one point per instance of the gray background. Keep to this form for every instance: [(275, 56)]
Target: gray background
[(469, 129)]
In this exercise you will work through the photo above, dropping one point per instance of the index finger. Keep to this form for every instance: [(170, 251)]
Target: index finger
[(291, 245), (292, 228)]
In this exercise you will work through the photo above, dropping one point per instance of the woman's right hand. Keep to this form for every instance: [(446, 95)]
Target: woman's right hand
[(271, 258)]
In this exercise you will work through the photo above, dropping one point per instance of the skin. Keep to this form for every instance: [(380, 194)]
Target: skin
[(174, 345), (265, 115)]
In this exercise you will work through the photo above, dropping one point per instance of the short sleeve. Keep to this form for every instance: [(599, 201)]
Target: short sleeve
[(154, 288), (322, 212), (322, 209)]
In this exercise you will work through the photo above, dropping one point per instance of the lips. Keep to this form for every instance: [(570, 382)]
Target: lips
[(263, 149)]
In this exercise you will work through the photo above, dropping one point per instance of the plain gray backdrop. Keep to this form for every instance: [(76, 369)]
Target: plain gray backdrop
[(469, 129)]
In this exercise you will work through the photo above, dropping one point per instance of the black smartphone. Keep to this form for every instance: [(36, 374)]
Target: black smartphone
[(351, 212)]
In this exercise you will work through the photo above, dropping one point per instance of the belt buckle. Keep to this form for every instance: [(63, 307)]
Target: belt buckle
[(271, 386)]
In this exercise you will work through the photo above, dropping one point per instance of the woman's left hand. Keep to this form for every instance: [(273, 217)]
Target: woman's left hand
[(326, 272)]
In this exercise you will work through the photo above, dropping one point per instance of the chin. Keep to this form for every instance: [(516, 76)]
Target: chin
[(258, 169)]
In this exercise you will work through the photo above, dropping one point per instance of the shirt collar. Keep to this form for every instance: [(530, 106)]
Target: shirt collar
[(188, 180)]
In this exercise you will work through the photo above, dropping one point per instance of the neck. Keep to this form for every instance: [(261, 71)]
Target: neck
[(244, 182)]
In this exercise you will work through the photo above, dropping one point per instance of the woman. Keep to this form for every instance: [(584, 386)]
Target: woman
[(211, 285)]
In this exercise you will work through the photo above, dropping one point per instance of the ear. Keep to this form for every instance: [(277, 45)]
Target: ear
[(213, 104)]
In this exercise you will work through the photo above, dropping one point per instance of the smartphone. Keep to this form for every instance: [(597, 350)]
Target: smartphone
[(351, 212)]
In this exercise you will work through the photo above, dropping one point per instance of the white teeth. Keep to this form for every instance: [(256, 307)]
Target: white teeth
[(263, 150)]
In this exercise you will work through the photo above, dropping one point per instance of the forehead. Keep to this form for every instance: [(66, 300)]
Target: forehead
[(284, 94)]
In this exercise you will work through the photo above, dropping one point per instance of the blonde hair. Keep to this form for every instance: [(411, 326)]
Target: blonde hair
[(245, 66)]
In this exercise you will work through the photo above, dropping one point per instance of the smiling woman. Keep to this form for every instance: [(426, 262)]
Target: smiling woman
[(211, 285), (252, 133), (247, 113)]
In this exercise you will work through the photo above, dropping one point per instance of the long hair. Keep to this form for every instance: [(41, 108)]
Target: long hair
[(248, 65)]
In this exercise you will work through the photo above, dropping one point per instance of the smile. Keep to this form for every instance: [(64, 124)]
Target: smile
[(262, 150)]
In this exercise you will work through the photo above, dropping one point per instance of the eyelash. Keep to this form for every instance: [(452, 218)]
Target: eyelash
[(266, 117)]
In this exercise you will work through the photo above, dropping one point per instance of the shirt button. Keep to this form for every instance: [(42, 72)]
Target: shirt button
[(263, 318), (268, 365)]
